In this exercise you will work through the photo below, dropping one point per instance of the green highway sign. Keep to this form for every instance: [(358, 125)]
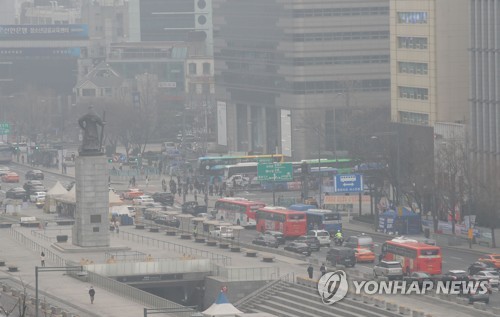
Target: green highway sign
[(4, 128), (275, 171), (264, 160)]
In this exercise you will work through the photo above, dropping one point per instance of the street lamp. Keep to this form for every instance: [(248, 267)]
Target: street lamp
[(50, 269), (320, 185), (394, 134)]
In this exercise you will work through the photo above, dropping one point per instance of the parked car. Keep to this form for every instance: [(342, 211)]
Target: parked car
[(341, 255), (311, 241), (389, 269), (361, 241), (418, 277), (132, 193), (480, 266), (455, 275), (35, 189), (322, 235), (164, 198), (491, 258), (4, 170), (32, 183), (277, 235), (298, 247), (364, 255), (16, 193), (492, 276), (266, 240), (37, 196), (167, 220), (222, 232), (143, 200), (34, 174), (10, 177)]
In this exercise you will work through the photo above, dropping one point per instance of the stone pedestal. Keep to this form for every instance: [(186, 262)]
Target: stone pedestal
[(91, 228)]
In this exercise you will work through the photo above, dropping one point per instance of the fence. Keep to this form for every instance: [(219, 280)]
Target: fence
[(181, 249), (154, 267), (27, 242), (249, 273)]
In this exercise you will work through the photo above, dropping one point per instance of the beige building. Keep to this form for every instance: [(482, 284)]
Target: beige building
[(429, 61)]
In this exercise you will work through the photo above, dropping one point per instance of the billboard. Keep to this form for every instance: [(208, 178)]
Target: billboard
[(44, 32), (221, 123), (286, 132), (351, 183)]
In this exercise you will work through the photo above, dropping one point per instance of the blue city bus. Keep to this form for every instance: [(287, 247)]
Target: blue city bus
[(323, 219), (301, 207)]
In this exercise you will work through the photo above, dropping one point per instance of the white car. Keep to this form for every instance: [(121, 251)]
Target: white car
[(238, 180), (4, 170), (493, 277), (38, 196), (222, 232), (322, 235), (143, 200)]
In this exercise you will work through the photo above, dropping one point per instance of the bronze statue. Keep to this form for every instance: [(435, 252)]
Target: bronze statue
[(92, 139)]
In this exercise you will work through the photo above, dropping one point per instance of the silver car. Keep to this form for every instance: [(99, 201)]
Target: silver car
[(492, 276), (389, 269)]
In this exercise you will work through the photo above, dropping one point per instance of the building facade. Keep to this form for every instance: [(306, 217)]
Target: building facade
[(282, 67), (429, 61), (484, 82)]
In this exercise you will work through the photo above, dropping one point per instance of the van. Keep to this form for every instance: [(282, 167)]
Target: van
[(322, 235), (341, 255), (359, 242)]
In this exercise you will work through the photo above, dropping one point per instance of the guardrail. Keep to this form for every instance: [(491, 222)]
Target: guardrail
[(182, 249), (248, 273), (26, 241)]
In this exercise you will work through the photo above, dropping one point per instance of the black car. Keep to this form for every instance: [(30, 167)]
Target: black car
[(341, 255), (298, 247), (455, 275), (164, 198), (480, 266), (277, 235), (29, 184), (418, 277), (311, 241), (34, 174), (266, 240), (189, 207), (16, 193), (166, 220)]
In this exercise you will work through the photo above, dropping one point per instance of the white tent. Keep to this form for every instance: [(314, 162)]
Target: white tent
[(57, 190), (69, 197), (221, 308)]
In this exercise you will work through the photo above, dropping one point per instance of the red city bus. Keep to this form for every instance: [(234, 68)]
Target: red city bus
[(289, 222), (238, 211), (414, 256)]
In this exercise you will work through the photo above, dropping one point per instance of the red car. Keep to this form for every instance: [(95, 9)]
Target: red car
[(132, 193), (10, 177)]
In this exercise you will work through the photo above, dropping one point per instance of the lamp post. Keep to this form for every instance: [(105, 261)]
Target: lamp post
[(394, 134), (50, 269)]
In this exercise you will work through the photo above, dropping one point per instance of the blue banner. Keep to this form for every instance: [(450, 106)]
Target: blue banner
[(351, 183), (44, 32)]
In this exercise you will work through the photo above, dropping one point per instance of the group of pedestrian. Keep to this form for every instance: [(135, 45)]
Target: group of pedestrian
[(310, 270)]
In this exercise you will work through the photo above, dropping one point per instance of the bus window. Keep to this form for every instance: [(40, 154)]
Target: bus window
[(429, 252)]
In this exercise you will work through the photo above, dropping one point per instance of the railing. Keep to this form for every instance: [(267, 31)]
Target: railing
[(287, 278), (26, 241), (249, 273), (169, 266), (181, 249)]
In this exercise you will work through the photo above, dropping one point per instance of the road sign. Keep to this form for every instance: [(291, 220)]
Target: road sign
[(352, 183), (275, 171), (264, 160), (4, 128)]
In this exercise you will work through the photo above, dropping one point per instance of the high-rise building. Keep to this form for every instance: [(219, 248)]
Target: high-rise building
[(282, 67), (484, 82), (429, 61)]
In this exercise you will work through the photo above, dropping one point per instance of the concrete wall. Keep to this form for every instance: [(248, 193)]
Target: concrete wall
[(235, 290)]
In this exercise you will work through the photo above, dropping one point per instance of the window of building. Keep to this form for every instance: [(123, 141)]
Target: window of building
[(413, 93), (340, 60), (192, 68), (339, 36), (412, 17), (412, 68), (328, 12), (206, 68), (413, 118), (412, 42), (88, 92)]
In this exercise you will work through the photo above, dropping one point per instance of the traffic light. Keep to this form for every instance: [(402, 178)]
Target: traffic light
[(110, 160), (37, 148)]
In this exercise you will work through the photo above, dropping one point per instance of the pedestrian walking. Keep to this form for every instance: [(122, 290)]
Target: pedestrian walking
[(322, 269), (92, 294), (22, 158), (147, 180), (133, 181), (117, 227), (42, 259), (310, 270), (196, 195)]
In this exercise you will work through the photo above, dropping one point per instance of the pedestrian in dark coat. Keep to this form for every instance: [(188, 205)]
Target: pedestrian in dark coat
[(310, 271), (92, 294)]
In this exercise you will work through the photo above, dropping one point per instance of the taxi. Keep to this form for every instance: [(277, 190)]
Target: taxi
[(364, 255), (132, 193), (10, 177), (494, 259)]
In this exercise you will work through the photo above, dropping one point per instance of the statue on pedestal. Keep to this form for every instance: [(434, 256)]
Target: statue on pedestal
[(92, 134)]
